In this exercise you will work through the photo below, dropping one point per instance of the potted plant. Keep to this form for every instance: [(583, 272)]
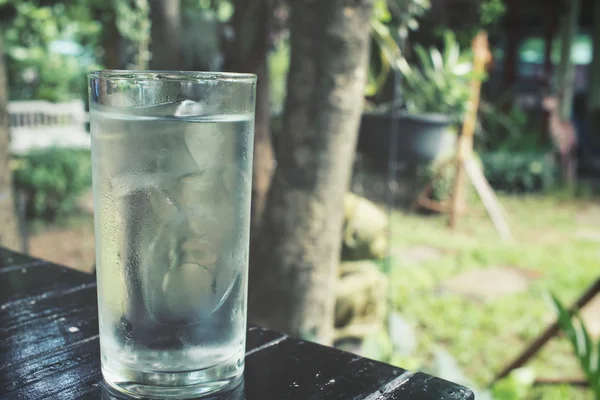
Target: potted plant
[(435, 92)]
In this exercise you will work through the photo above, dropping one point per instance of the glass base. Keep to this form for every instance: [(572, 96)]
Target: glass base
[(174, 385)]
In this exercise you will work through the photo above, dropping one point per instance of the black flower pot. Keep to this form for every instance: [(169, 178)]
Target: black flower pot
[(421, 138)]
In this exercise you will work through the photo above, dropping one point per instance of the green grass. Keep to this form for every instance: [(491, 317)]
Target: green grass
[(484, 336)]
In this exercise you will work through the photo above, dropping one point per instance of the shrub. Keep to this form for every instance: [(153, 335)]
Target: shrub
[(515, 172), (52, 179), (444, 182)]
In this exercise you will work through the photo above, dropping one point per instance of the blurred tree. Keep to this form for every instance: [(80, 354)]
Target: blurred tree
[(293, 276), (249, 53), (9, 234), (566, 68), (132, 18), (50, 48), (594, 96), (166, 35)]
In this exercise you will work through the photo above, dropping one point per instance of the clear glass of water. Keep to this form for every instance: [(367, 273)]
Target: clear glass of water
[(172, 168)]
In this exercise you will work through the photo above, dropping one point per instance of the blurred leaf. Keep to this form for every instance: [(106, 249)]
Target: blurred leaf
[(377, 346), (585, 350), (516, 386), (440, 81), (53, 178)]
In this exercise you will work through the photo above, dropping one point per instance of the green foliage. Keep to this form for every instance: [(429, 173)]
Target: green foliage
[(440, 81), (407, 13), (222, 9), (133, 23), (444, 174), (391, 22), (444, 177), (519, 172), (384, 52), (491, 11), (279, 63), (504, 130), (472, 17), (504, 126), (35, 68), (516, 386), (52, 178), (586, 351), (485, 334), (378, 346)]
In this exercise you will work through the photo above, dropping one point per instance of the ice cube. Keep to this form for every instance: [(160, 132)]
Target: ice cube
[(203, 190), (143, 140), (189, 108), (187, 294), (126, 184), (186, 108), (160, 254), (205, 143)]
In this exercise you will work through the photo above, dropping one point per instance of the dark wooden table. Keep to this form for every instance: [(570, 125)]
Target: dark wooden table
[(49, 350)]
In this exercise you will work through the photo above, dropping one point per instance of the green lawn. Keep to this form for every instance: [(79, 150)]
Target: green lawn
[(484, 336)]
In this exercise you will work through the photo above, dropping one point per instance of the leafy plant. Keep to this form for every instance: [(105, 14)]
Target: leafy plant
[(502, 130), (586, 351), (442, 185), (390, 25), (444, 174), (52, 179), (49, 50), (503, 125), (516, 386), (440, 81), (519, 172), (133, 22)]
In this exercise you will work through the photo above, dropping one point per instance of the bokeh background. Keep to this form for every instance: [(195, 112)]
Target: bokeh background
[(361, 107)]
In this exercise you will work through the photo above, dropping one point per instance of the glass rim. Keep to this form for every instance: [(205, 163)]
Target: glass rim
[(161, 76)]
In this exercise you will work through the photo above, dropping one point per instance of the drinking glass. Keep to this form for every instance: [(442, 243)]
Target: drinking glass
[(172, 168)]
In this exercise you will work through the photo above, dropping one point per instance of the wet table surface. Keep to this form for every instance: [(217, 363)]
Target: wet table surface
[(49, 350)]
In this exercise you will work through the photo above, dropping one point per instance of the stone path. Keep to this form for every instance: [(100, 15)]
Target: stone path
[(591, 317), (488, 284), (416, 254), (588, 234)]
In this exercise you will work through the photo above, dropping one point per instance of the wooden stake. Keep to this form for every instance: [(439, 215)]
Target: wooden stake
[(488, 198), (465, 143), (466, 168)]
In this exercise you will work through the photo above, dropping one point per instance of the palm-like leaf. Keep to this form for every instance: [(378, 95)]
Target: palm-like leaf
[(586, 351), (451, 49), (439, 81)]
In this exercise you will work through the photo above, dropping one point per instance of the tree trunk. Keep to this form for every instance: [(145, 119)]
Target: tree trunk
[(566, 71), (292, 283), (249, 53), (9, 233), (594, 96), (111, 40), (512, 43), (166, 34), (551, 31)]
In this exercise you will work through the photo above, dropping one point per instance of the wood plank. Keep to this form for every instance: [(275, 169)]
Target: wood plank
[(421, 386), (67, 373), (258, 338), (47, 280), (293, 369), (38, 327), (10, 259)]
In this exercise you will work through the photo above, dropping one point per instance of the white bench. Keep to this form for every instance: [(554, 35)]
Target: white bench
[(41, 124)]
